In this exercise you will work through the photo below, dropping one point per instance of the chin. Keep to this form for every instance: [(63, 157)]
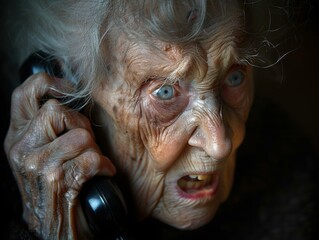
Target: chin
[(191, 205), (191, 211), (190, 219)]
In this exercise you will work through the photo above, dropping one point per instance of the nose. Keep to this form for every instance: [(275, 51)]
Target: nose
[(212, 135)]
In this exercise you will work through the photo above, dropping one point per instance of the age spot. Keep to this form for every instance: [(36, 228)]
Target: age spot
[(114, 110)]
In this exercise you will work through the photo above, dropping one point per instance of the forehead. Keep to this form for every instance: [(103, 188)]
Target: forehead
[(170, 21), (155, 58), (151, 46)]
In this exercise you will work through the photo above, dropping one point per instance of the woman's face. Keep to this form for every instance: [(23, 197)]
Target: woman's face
[(173, 118)]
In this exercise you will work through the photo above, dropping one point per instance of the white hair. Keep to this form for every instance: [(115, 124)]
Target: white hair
[(74, 30), (80, 33)]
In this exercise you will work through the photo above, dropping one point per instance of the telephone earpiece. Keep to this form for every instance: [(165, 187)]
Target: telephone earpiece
[(40, 62), (104, 208), (101, 200)]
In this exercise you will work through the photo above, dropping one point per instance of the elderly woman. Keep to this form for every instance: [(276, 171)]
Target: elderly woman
[(167, 89)]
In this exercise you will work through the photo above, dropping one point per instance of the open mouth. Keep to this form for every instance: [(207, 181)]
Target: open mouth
[(196, 183)]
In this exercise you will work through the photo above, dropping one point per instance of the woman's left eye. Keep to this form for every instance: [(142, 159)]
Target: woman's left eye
[(235, 79), (165, 92)]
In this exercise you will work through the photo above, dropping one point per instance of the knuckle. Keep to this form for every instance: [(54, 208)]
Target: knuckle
[(39, 79), (71, 195), (76, 118), (28, 160), (74, 178), (84, 136), (53, 180), (32, 166), (18, 95), (52, 104), (23, 163), (7, 144), (91, 163), (78, 172), (29, 94), (16, 157)]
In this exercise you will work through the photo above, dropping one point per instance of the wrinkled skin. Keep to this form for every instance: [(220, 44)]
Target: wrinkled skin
[(165, 114), (52, 152), (196, 131)]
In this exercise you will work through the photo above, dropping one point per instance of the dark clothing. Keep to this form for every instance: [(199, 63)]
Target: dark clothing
[(275, 193)]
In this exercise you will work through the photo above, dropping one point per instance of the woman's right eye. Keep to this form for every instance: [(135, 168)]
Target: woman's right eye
[(165, 92), (166, 100)]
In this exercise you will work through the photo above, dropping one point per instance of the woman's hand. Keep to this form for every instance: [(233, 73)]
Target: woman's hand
[(52, 152)]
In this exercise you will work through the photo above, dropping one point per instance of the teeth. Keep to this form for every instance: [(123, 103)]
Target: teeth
[(193, 182)]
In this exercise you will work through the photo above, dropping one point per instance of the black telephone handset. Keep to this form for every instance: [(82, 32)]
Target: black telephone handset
[(102, 202)]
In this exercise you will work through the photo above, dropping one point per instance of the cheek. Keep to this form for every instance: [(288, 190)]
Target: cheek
[(236, 117), (120, 137), (165, 144), (227, 178), (118, 121), (236, 124), (239, 98), (162, 126), (160, 113)]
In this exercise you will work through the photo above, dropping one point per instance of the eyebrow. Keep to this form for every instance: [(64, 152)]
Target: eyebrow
[(144, 64)]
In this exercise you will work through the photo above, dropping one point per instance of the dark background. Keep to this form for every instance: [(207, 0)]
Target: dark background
[(293, 84)]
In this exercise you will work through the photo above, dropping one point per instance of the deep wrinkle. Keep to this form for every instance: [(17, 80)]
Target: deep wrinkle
[(166, 144), (204, 85), (149, 141)]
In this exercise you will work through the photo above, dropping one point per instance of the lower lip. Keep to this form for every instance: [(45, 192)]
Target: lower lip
[(207, 192)]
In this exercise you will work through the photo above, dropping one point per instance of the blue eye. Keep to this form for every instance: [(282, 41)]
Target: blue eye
[(165, 92), (235, 78)]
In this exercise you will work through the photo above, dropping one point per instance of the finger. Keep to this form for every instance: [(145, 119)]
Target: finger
[(51, 121), (26, 102), (27, 98), (41, 84), (55, 119), (76, 143), (71, 144), (53, 171), (84, 167), (63, 192), (30, 152)]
